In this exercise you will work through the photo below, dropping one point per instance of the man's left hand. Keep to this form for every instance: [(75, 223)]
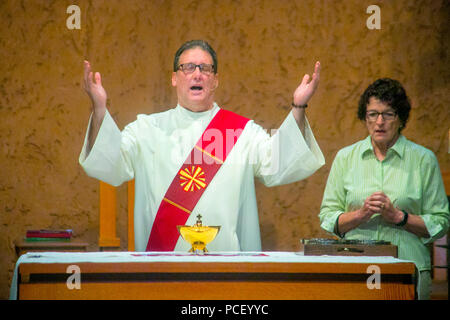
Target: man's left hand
[(307, 88)]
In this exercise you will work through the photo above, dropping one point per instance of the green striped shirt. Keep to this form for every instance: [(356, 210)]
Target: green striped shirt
[(409, 176)]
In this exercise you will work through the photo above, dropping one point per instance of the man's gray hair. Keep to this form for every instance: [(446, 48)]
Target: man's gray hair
[(191, 45)]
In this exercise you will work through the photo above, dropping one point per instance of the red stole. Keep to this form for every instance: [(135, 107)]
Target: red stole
[(193, 178)]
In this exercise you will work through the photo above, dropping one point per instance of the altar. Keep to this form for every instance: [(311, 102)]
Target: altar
[(212, 276)]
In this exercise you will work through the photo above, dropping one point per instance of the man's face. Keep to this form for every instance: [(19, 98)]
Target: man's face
[(195, 90)]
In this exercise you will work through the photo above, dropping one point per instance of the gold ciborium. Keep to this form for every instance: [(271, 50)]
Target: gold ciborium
[(198, 235)]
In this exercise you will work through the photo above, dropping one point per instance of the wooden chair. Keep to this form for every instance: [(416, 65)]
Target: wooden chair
[(108, 209), (446, 178)]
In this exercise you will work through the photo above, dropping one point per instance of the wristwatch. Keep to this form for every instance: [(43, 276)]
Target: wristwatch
[(405, 219), (302, 106)]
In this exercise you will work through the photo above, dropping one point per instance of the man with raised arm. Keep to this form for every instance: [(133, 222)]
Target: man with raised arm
[(197, 158)]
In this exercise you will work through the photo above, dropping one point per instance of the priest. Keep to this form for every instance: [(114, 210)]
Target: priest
[(197, 158)]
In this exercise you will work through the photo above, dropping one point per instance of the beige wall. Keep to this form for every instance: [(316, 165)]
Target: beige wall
[(264, 49)]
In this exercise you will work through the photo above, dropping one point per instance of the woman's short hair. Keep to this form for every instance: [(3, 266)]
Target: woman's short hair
[(392, 93), (202, 44)]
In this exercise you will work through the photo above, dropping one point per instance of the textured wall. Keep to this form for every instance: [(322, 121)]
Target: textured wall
[(264, 48)]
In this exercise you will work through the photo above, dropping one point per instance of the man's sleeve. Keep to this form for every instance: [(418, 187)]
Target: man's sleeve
[(110, 158), (287, 156)]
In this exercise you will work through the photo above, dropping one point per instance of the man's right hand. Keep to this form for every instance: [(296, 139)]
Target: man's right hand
[(98, 97), (95, 90)]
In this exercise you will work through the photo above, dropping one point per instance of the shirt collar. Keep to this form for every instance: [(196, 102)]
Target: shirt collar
[(398, 147), (185, 113)]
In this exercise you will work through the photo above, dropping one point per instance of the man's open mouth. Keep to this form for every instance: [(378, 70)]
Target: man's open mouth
[(197, 88)]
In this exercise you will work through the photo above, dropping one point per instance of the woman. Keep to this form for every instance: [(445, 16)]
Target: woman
[(386, 187)]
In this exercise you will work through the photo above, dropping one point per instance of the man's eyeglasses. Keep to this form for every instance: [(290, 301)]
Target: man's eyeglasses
[(387, 116), (204, 68)]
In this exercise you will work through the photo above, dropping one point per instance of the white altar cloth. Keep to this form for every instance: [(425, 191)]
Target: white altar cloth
[(229, 257)]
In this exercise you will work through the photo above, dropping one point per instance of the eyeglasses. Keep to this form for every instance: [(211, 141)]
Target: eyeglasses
[(387, 116), (204, 68)]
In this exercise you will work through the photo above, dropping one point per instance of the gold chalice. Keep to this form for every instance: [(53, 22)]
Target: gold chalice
[(198, 235)]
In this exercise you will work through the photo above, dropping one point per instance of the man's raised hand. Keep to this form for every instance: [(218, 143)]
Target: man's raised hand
[(94, 89), (306, 89), (98, 97)]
